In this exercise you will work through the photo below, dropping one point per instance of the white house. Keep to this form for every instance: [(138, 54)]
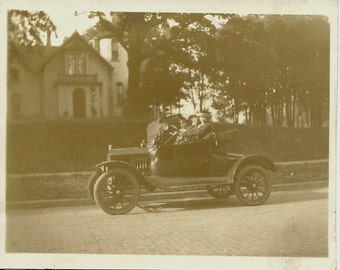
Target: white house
[(74, 80)]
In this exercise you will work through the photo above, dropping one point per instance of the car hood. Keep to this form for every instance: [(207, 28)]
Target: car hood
[(130, 151)]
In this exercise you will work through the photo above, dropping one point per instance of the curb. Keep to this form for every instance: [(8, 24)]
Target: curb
[(148, 197), (88, 173)]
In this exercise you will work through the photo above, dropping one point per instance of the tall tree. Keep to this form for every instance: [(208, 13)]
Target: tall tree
[(145, 35), (301, 44), (244, 59), (275, 63), (159, 86)]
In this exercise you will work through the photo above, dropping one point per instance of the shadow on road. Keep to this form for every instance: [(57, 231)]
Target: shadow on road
[(207, 203)]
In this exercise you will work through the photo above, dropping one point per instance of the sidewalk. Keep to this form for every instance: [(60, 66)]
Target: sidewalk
[(156, 196)]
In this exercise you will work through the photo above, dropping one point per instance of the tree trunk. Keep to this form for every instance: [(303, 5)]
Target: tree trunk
[(273, 114), (236, 111), (263, 115), (290, 111), (250, 115), (134, 97), (192, 98), (294, 111), (201, 103), (202, 92), (246, 114), (316, 116), (281, 113), (235, 117)]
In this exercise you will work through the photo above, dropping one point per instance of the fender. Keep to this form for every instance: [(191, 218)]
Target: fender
[(259, 160), (107, 165)]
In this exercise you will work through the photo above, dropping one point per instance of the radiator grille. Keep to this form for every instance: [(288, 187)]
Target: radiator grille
[(141, 163)]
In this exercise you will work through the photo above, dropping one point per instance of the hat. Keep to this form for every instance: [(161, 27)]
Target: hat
[(204, 114), (192, 116)]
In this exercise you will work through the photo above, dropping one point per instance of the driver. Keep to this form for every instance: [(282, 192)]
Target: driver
[(197, 132), (180, 139)]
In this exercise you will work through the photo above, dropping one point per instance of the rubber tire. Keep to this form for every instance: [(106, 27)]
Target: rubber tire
[(92, 181), (217, 195), (102, 179), (237, 186)]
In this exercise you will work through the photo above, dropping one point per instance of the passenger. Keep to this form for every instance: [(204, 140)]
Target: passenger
[(183, 123), (197, 132), (189, 134), (204, 129), (180, 139)]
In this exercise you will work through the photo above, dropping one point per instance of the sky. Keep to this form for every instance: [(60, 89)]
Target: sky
[(68, 23), (62, 11)]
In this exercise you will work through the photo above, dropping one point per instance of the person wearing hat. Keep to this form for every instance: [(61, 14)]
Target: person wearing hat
[(188, 135), (183, 123), (196, 131), (204, 129)]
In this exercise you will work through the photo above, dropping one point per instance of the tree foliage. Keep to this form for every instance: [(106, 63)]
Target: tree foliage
[(270, 68), (243, 57), (159, 84), (172, 36), (26, 28), (276, 64)]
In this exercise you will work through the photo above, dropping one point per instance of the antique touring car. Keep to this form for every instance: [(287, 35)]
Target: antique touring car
[(116, 185)]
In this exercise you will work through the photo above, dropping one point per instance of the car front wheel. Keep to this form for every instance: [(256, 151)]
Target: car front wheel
[(92, 181), (253, 185), (116, 191)]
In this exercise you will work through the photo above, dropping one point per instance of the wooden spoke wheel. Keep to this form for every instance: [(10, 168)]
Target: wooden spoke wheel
[(92, 181), (253, 185), (116, 191)]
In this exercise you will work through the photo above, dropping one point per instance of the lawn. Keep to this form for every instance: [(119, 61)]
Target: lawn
[(25, 187), (76, 145)]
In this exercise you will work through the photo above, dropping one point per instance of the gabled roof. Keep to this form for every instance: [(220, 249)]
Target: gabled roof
[(36, 57), (79, 40)]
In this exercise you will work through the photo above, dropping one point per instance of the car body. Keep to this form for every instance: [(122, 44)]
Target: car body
[(159, 163)]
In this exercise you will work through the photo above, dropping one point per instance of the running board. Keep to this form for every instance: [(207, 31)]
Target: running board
[(177, 181)]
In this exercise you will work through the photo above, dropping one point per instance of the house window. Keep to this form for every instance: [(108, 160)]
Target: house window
[(114, 50), (120, 95), (14, 70), (15, 104), (76, 64)]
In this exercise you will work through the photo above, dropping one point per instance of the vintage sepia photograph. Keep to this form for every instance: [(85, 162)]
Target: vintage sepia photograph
[(169, 136)]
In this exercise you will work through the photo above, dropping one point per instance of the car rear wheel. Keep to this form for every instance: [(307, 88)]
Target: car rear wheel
[(116, 191), (222, 191), (253, 185)]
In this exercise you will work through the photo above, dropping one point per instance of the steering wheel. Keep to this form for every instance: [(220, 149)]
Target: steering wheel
[(173, 135), (173, 128), (173, 131)]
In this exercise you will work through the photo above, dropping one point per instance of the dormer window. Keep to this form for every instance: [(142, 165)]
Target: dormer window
[(114, 50), (75, 63)]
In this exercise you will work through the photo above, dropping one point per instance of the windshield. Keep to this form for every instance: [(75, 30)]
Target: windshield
[(152, 130)]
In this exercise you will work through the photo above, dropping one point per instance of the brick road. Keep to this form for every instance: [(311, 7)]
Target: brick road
[(291, 223)]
